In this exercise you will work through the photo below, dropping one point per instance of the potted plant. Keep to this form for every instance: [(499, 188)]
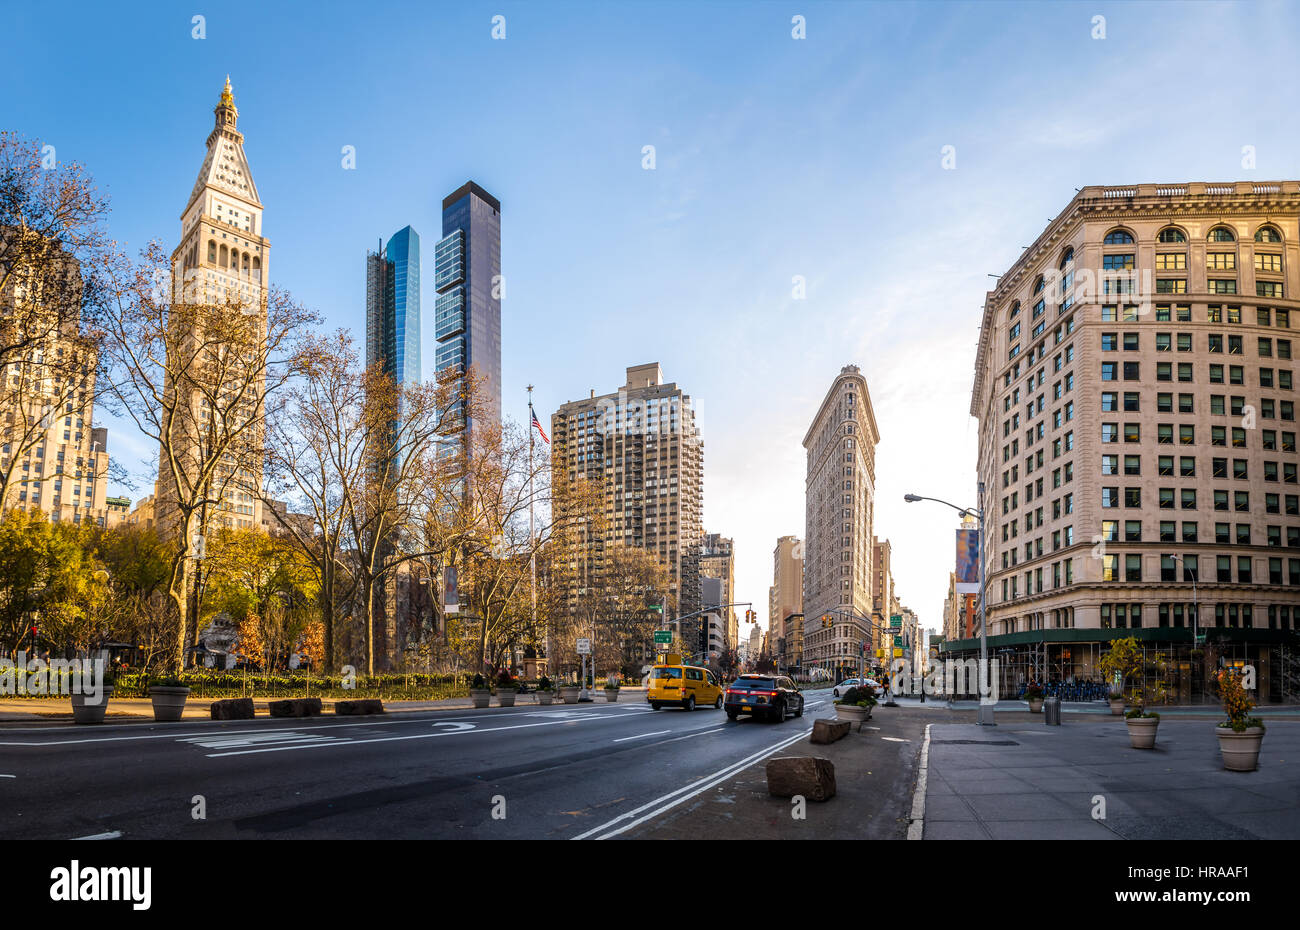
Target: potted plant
[(479, 691), (168, 694), (93, 711), (1123, 661), (611, 689), (1241, 735), (1034, 695), (570, 691), (855, 706), (545, 690), (507, 688), (1142, 723)]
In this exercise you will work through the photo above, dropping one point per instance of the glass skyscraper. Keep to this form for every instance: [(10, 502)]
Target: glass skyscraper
[(467, 277), (393, 306)]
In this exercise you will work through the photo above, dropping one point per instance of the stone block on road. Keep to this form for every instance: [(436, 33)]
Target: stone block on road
[(363, 706), (295, 707), (828, 731), (233, 709), (810, 776)]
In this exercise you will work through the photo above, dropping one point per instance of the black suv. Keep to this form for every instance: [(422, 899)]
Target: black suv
[(772, 696)]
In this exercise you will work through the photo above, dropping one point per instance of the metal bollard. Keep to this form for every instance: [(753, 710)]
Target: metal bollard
[(1052, 711)]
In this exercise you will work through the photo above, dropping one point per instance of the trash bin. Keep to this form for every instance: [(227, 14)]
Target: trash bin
[(1052, 711)]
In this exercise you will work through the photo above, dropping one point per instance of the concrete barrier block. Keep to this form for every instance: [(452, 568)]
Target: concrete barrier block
[(809, 776)]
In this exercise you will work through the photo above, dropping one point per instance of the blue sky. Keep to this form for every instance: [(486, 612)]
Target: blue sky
[(775, 157)]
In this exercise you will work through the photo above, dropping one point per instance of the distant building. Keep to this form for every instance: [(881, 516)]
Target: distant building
[(718, 560), (393, 307), (839, 511), (467, 278)]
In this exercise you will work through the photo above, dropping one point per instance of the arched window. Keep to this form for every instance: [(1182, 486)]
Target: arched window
[(246, 265), (1221, 234), (1015, 310), (1038, 285), (257, 269), (212, 251), (1267, 234), (1171, 234), (1118, 237)]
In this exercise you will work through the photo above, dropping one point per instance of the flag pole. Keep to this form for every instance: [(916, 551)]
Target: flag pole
[(532, 544)]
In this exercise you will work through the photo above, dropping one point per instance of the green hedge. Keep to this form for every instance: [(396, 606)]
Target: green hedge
[(226, 684)]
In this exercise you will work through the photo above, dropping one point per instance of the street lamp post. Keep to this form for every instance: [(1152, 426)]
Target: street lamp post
[(985, 713)]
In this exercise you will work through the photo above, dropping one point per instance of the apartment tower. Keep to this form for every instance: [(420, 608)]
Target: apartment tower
[(642, 443), (1135, 391)]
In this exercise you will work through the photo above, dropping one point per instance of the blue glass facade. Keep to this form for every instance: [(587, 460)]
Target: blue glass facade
[(393, 306), (467, 276)]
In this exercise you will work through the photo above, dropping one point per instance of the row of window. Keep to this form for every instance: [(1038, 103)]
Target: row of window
[(1278, 573), (1169, 530), (1130, 616), (1111, 498)]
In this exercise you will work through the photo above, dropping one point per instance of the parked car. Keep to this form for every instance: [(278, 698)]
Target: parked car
[(773, 697)]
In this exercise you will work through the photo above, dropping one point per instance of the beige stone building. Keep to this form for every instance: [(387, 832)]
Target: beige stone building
[(52, 457), (839, 511), (642, 442), (222, 256), (786, 595), (1135, 390), (718, 560)]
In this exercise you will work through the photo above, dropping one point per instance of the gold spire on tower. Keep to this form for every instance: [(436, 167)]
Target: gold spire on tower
[(227, 98)]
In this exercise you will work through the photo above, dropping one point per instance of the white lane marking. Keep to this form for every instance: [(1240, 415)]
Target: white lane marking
[(8, 776), (278, 737), (100, 836), (815, 704), (455, 727), (894, 739), (871, 728), (689, 735), (642, 736), (673, 798), (393, 739), (916, 829)]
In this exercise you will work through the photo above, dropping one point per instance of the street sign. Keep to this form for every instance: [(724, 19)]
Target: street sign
[(655, 608), (584, 647), (895, 619), (664, 637)]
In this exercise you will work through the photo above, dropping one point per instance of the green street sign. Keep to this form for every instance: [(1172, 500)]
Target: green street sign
[(655, 608), (895, 619), (664, 637)]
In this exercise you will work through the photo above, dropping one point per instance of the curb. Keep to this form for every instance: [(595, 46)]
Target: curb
[(916, 825)]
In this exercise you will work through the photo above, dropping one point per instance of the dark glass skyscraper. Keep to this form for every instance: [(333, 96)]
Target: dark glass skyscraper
[(467, 277), (393, 306)]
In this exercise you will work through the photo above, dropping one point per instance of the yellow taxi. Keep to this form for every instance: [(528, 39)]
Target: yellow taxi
[(687, 686)]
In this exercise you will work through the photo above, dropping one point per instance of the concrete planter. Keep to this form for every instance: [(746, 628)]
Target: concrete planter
[(570, 695), (1035, 705), (611, 695), (1240, 751), (83, 712), (1142, 732), (482, 697), (168, 703), (852, 713), (1116, 708), (506, 697), (545, 698)]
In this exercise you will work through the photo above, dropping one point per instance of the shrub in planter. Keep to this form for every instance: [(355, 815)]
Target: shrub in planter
[(479, 691), (1034, 695), (611, 688), (1142, 726), (84, 711), (168, 694), (1240, 736), (1116, 703), (507, 688), (545, 690), (855, 705)]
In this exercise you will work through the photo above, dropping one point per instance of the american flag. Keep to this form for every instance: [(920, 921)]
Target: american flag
[(538, 423)]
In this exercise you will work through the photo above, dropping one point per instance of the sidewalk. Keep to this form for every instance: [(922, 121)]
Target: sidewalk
[(44, 711), (1030, 781)]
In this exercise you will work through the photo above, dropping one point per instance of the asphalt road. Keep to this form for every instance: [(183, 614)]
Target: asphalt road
[(589, 771)]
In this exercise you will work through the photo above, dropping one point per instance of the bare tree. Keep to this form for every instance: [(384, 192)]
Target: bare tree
[(194, 376)]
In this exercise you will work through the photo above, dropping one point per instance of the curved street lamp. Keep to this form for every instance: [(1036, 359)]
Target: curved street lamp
[(985, 712)]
